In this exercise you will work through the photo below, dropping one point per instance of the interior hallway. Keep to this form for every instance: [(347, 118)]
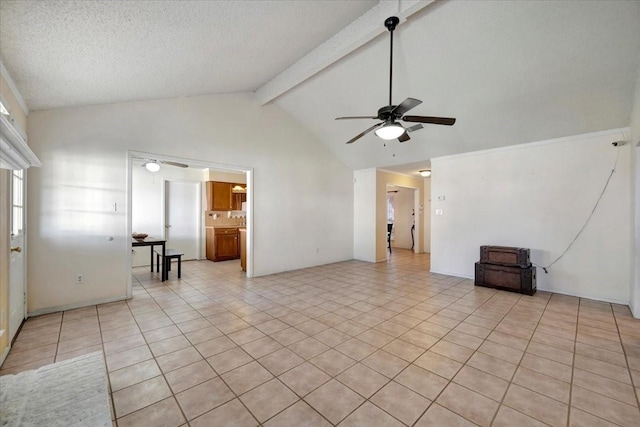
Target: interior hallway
[(351, 343)]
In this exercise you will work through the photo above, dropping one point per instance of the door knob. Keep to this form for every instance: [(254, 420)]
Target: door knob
[(16, 249)]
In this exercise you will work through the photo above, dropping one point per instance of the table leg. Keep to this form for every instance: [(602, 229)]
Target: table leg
[(164, 267), (151, 248)]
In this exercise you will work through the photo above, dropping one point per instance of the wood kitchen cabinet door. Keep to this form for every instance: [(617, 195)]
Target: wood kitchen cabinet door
[(226, 244), (238, 199), (218, 196)]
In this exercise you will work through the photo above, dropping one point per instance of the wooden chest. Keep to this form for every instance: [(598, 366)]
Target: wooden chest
[(507, 278), (504, 255)]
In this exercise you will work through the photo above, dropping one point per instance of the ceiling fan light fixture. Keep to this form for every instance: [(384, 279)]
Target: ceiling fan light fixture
[(390, 131), (152, 167), (425, 173)]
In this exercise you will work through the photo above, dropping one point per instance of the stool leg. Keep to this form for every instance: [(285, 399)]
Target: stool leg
[(179, 266), (157, 264)]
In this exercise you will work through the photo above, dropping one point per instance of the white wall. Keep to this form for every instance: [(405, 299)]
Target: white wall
[(426, 212), (538, 196), (364, 215), (147, 202), (303, 211)]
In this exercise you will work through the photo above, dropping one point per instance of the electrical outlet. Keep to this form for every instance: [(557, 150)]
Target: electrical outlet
[(79, 279)]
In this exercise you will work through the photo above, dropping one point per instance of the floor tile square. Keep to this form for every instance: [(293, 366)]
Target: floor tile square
[(481, 382), (363, 380), (268, 399), (178, 359), (133, 374), (438, 364), (543, 384), (385, 363), (305, 378), (401, 402), (370, 415), (189, 376), (246, 377), (422, 381), (261, 347), (604, 407), (536, 405), (137, 396), (280, 361), (166, 413), (204, 397), (308, 348), (437, 415), (508, 417), (222, 415), (229, 360), (334, 401), (332, 362), (299, 414), (356, 349), (469, 404)]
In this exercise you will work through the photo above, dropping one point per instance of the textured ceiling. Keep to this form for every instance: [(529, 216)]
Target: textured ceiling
[(510, 71), (69, 53)]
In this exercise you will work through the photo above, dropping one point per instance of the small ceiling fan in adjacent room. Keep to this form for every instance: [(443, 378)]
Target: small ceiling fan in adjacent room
[(153, 165), (389, 128)]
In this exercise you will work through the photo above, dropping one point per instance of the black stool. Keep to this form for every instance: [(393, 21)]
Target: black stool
[(169, 254), (389, 228)]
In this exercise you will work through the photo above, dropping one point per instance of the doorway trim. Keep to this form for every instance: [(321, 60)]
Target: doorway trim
[(195, 163)]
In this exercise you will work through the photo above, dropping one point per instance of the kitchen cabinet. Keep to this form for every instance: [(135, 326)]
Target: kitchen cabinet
[(237, 200), (218, 196), (221, 196), (222, 244)]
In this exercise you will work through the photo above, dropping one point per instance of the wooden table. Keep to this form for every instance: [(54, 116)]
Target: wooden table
[(152, 241)]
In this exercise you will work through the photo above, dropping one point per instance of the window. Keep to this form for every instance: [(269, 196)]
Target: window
[(17, 203)]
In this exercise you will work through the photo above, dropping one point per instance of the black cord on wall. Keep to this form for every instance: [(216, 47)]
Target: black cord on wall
[(615, 164)]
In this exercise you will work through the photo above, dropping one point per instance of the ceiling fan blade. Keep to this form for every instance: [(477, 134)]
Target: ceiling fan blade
[(404, 137), (356, 117), (180, 165), (360, 135), (447, 121), (405, 106), (414, 128)]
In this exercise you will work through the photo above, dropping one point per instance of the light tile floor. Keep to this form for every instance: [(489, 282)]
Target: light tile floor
[(349, 344)]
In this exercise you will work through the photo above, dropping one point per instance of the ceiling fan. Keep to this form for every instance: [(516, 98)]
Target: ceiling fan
[(389, 128), (153, 165)]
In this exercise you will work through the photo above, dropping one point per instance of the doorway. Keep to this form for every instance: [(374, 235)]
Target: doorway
[(156, 227), (17, 266)]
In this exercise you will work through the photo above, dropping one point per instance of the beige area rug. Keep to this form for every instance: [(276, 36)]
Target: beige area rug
[(70, 393)]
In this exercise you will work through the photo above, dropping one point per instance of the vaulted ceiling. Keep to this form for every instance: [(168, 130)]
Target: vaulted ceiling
[(510, 72)]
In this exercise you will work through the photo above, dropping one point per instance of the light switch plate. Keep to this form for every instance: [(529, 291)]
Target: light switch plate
[(438, 211)]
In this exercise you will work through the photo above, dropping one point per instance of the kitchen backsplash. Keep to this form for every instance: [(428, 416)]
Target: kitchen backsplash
[(221, 218)]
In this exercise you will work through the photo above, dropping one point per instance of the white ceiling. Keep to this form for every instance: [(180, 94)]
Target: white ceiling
[(510, 72)]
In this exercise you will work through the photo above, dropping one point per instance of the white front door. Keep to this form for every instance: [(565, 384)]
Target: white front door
[(17, 284), (182, 218)]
